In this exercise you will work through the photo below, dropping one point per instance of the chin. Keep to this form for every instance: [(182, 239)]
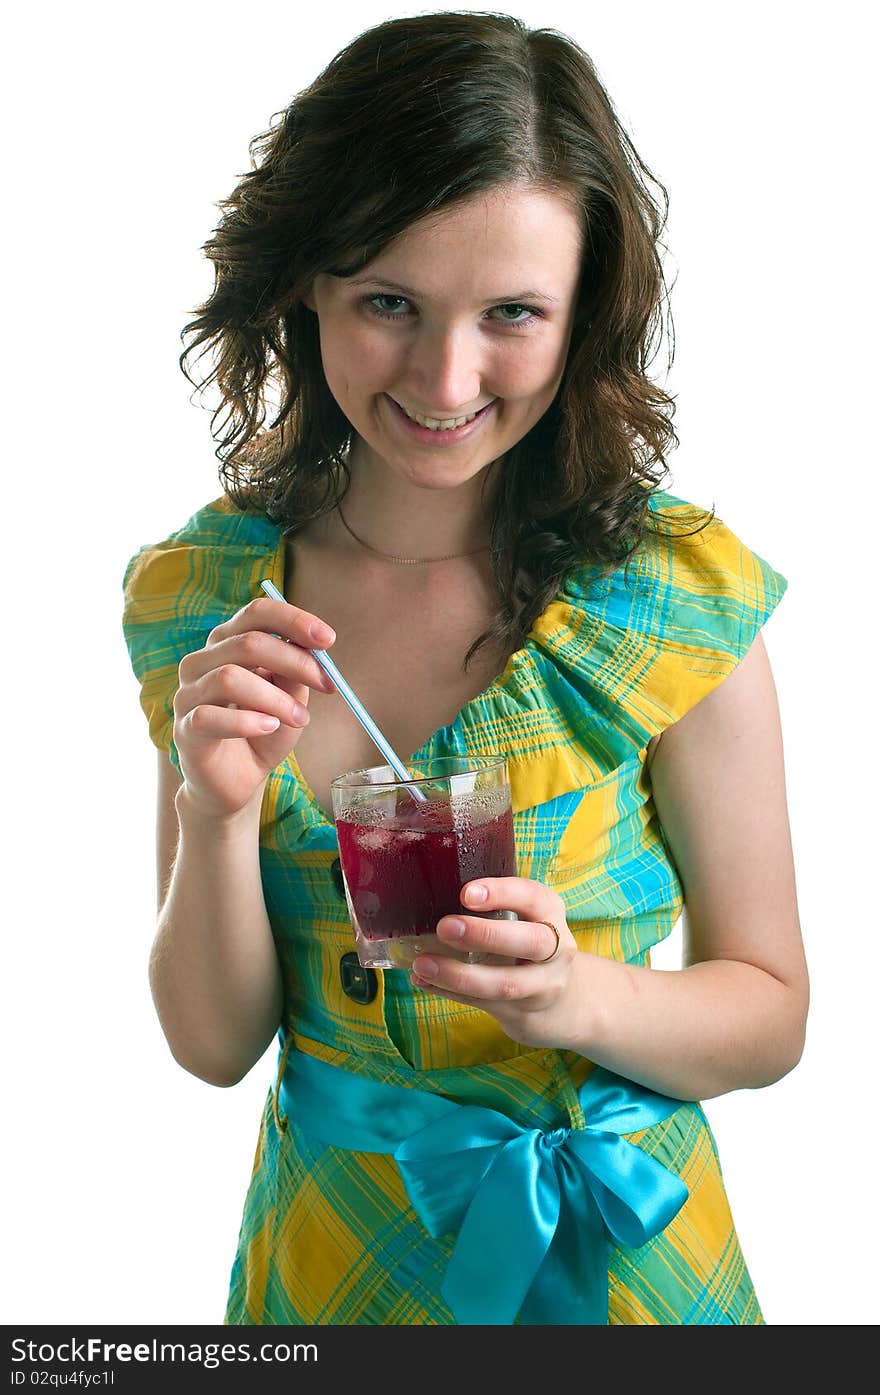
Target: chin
[(426, 468), (437, 475)]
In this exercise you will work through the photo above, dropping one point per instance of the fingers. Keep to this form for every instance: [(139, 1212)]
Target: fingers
[(478, 983), (254, 674), (277, 618), (260, 652), (216, 723), (524, 945), (530, 900), (240, 694), (517, 940)]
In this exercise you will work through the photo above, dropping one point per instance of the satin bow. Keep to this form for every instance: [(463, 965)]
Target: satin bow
[(534, 1210), (539, 1207)]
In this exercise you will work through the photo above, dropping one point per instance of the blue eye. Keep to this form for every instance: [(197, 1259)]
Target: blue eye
[(379, 304), (520, 310)]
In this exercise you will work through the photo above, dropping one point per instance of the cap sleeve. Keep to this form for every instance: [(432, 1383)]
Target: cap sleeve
[(656, 637), (176, 591)]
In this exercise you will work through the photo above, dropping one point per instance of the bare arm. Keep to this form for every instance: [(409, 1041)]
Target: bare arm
[(239, 709), (214, 973), (734, 1016)]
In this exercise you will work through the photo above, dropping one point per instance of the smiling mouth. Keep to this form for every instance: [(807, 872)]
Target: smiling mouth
[(440, 423)]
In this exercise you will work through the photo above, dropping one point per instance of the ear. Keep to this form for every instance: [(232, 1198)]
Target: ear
[(308, 297)]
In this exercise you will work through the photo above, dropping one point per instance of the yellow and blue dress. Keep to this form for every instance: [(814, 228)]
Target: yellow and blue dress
[(414, 1165)]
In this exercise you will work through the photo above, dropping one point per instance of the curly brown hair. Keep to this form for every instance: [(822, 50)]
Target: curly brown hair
[(414, 115)]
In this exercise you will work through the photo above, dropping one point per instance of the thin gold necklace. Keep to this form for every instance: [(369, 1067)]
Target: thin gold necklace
[(404, 561)]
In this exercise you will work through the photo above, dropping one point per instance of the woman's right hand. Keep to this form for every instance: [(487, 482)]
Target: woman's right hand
[(243, 702)]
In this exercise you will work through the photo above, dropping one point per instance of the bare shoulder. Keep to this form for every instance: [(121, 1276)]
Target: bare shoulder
[(169, 783)]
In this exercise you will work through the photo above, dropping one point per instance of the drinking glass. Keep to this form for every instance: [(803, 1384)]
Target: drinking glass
[(405, 858)]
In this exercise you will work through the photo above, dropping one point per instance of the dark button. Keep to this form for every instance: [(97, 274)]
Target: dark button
[(358, 983), (336, 874)]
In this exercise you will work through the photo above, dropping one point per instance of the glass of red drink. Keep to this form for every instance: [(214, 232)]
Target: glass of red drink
[(405, 860)]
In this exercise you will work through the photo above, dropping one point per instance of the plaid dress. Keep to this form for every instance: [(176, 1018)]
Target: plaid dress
[(328, 1236)]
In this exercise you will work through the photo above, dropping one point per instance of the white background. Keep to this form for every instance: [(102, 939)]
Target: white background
[(124, 126)]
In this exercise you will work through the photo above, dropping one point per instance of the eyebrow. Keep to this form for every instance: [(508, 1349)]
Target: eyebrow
[(416, 295)]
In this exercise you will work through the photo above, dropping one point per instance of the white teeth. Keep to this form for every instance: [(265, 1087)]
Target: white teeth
[(437, 423)]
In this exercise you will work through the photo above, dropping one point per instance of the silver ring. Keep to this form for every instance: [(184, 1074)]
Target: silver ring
[(552, 955)]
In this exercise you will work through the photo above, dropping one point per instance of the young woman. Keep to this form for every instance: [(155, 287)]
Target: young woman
[(445, 258)]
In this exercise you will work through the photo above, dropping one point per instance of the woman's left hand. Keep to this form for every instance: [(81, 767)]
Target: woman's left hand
[(531, 996)]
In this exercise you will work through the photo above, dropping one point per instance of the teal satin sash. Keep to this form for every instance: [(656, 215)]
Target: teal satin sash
[(534, 1210)]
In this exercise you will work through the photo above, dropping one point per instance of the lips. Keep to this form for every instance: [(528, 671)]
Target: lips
[(439, 423), (438, 433)]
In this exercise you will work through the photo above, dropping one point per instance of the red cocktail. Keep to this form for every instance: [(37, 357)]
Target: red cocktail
[(404, 861)]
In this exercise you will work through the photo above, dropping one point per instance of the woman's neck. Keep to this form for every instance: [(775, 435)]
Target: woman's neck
[(395, 517)]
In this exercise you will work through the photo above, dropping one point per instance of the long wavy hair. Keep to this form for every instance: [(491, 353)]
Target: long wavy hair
[(415, 115)]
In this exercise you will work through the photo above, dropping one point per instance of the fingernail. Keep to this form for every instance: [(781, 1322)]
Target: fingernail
[(476, 895), (426, 968), (269, 724), (321, 633), (453, 928)]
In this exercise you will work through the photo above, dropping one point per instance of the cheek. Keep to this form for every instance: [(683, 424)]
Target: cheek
[(369, 360), (351, 354), (525, 375)]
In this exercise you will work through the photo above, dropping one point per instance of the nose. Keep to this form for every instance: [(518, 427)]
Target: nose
[(444, 369)]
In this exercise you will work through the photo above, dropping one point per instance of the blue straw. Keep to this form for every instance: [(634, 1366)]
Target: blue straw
[(356, 706)]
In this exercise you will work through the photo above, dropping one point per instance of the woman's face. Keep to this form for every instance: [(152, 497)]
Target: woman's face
[(447, 348)]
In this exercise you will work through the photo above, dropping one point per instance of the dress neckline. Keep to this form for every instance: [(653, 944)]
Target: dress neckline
[(427, 750)]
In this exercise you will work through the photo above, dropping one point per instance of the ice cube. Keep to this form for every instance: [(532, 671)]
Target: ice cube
[(374, 839)]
